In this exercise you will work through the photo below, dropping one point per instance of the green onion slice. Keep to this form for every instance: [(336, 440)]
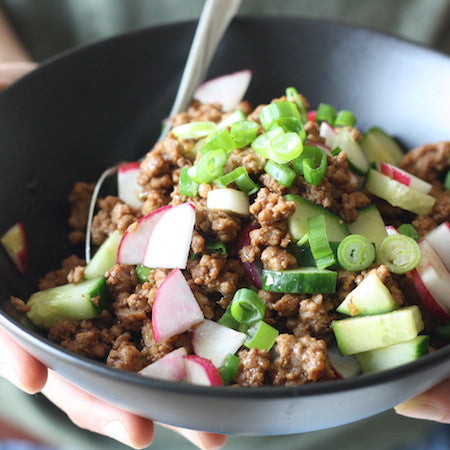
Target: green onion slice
[(408, 230), (399, 253), (312, 164), (447, 181), (355, 253), (318, 240), (247, 307), (290, 124), (227, 320), (281, 172), (261, 143), (217, 247), (242, 179), (326, 113), (345, 119), (229, 368), (188, 187), (244, 132), (209, 167), (220, 140), (194, 130), (285, 148), (276, 110), (261, 336), (234, 117), (293, 96), (142, 273)]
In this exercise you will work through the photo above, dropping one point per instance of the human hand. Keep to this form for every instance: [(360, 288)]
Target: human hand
[(85, 410), (433, 404), (11, 71)]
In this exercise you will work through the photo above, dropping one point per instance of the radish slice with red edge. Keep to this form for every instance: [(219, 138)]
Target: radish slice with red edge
[(439, 239), (405, 178), (175, 308), (169, 242), (432, 282), (213, 341), (329, 133), (227, 90), (170, 367), (311, 115), (254, 269), (16, 245), (390, 230), (134, 241), (201, 371), (343, 366), (127, 184)]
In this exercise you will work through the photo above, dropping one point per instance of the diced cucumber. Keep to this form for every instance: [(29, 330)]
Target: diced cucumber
[(398, 194), (371, 296), (369, 224), (306, 280), (69, 301), (378, 147), (359, 334), (142, 273), (305, 257), (359, 162), (393, 355), (105, 257), (298, 222)]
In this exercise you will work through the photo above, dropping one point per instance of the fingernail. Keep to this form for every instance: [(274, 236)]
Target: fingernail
[(116, 430), (209, 441), (418, 408)]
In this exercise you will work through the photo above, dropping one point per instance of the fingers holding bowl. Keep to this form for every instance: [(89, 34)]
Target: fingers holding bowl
[(12, 71)]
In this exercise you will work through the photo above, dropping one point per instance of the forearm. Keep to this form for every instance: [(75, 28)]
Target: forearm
[(11, 49)]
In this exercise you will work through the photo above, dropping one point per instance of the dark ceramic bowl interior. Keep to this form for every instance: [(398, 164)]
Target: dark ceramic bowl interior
[(92, 107)]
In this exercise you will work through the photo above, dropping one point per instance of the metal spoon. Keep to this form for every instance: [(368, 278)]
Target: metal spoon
[(214, 20)]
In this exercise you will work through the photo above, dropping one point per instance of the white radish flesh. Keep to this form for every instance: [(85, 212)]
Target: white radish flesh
[(229, 200), (170, 367), (127, 184), (201, 371)]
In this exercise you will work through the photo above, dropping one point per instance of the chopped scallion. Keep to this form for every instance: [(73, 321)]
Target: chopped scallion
[(247, 307), (261, 143), (292, 95), (244, 132), (261, 336), (229, 368), (318, 240), (399, 253), (142, 273), (326, 113), (408, 230), (242, 179), (227, 320), (355, 253), (286, 147), (345, 119), (194, 130), (234, 117), (312, 164), (282, 173), (188, 187), (220, 140), (217, 247), (277, 110), (209, 167)]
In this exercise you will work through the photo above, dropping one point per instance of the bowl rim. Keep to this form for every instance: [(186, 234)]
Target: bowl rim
[(279, 392)]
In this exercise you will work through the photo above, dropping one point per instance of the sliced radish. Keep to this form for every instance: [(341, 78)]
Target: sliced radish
[(329, 133), (201, 371), (343, 366), (169, 242), (170, 367), (134, 241), (175, 308), (16, 245), (230, 200), (404, 177), (390, 230), (312, 115), (439, 239), (228, 90), (253, 270), (432, 281), (127, 184), (213, 341)]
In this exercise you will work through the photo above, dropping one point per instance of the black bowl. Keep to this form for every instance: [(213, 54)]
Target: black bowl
[(87, 109)]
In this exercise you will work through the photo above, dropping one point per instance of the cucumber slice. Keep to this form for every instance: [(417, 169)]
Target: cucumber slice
[(70, 301), (371, 296), (355, 156), (398, 194), (378, 147), (105, 257), (306, 280), (369, 224), (393, 355), (298, 222), (305, 257), (359, 334)]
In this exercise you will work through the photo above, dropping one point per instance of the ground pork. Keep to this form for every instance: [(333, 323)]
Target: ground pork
[(59, 277), (299, 361), (124, 354), (277, 258), (197, 112), (270, 208), (253, 366), (79, 199), (245, 157)]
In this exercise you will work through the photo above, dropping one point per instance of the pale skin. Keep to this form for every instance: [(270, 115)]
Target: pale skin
[(91, 413)]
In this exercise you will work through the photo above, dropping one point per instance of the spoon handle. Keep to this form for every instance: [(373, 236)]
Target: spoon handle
[(213, 22)]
